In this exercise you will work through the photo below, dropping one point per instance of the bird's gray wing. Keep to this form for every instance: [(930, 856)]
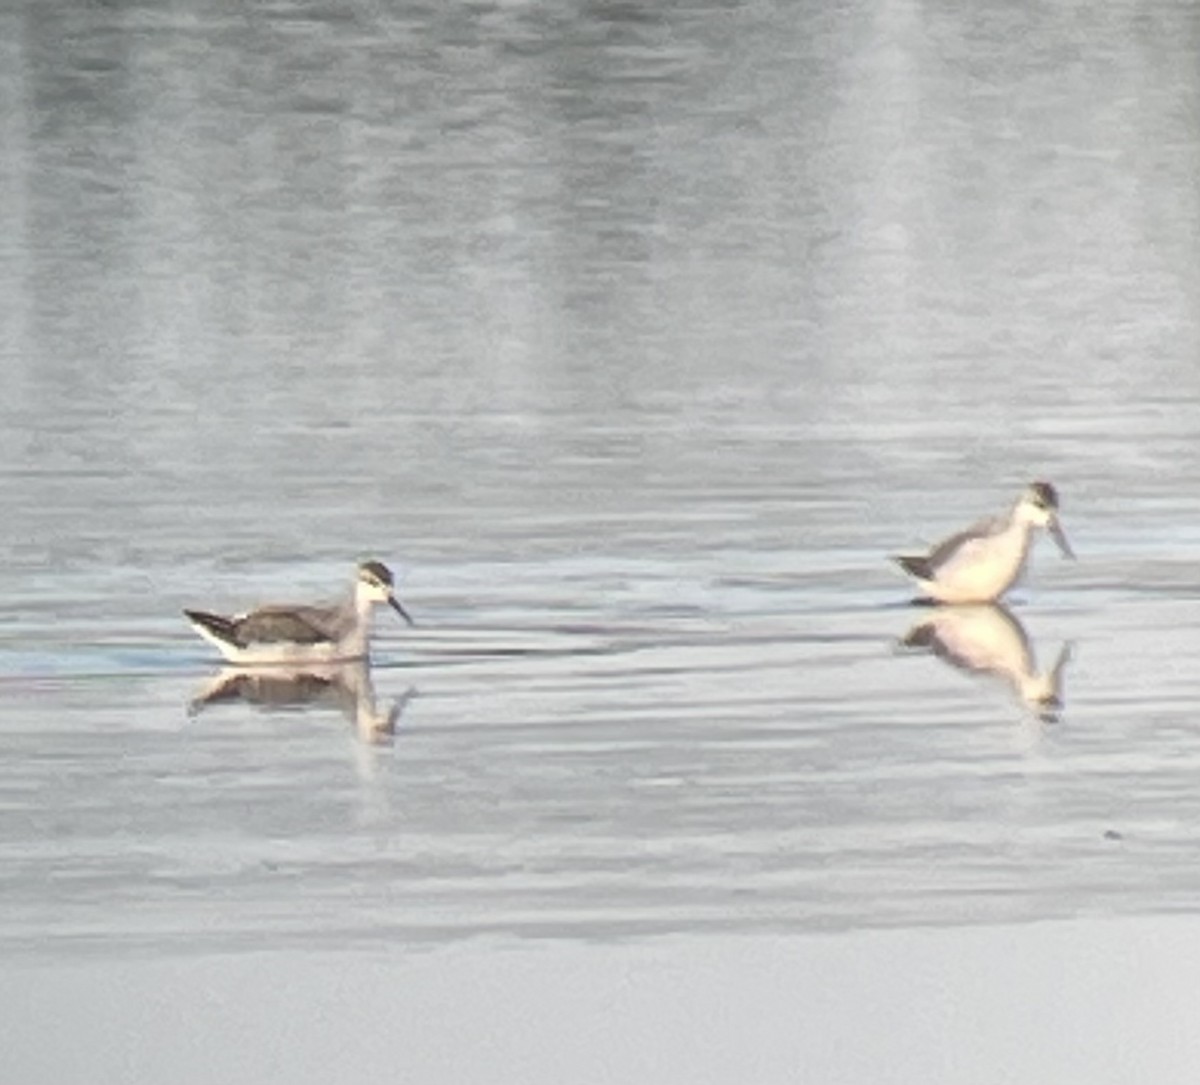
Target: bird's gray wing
[(959, 544), (294, 625)]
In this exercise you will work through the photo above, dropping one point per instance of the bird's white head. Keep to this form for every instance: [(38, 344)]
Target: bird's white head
[(375, 584), (1039, 507)]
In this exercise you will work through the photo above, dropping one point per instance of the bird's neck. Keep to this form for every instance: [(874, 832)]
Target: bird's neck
[(1019, 535), (357, 628), (363, 605)]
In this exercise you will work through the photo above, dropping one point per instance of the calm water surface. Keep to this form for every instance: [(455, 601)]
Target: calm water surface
[(634, 338)]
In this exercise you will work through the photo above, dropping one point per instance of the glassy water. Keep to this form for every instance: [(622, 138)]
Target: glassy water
[(634, 338)]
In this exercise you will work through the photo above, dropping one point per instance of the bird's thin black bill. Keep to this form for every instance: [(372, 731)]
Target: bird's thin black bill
[(1060, 537), (394, 603)]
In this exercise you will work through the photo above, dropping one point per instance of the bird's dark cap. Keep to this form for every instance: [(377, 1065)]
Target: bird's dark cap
[(1044, 494)]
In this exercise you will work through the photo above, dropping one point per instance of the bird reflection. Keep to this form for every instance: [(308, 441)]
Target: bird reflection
[(987, 638), (344, 686)]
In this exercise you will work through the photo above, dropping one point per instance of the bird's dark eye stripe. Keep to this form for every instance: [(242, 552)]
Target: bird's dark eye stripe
[(375, 572), (1043, 495)]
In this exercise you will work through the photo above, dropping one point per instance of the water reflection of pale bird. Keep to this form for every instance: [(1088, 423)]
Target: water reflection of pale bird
[(346, 687), (303, 634), (980, 564), (987, 638)]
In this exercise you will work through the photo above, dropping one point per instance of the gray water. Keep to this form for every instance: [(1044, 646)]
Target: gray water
[(634, 338)]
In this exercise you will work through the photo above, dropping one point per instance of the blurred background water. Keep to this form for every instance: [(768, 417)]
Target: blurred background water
[(634, 337)]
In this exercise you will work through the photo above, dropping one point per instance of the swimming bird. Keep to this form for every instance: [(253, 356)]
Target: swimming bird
[(303, 634), (980, 564), (988, 639)]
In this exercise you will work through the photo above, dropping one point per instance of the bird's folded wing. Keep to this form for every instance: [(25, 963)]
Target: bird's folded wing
[(294, 625), (960, 544)]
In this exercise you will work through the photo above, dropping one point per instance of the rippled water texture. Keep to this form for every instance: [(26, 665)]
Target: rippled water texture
[(635, 338)]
